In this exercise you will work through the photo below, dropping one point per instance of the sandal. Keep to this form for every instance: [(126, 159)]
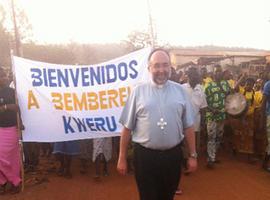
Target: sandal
[(187, 172), (60, 172), (97, 177), (178, 192), (15, 189), (105, 173), (83, 171), (67, 175), (3, 189)]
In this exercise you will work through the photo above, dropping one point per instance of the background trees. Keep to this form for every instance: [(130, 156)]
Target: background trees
[(71, 53), (4, 40)]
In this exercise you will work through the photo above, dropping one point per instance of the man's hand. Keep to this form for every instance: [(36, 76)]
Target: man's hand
[(262, 124), (12, 107), (122, 160), (192, 164), (122, 166), (21, 127), (216, 111)]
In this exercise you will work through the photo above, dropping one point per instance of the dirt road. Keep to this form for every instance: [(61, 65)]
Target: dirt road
[(233, 179)]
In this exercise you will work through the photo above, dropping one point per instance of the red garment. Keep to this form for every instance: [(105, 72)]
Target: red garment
[(9, 156)]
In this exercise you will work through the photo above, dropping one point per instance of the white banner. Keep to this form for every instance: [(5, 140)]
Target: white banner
[(65, 102)]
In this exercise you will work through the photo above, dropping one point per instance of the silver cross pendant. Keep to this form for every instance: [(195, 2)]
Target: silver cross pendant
[(161, 123)]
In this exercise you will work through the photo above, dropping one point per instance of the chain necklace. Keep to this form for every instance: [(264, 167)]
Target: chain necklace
[(161, 123)]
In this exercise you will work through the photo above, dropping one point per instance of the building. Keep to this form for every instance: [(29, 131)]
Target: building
[(248, 60)]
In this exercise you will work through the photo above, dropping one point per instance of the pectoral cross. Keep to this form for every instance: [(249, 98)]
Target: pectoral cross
[(161, 123)]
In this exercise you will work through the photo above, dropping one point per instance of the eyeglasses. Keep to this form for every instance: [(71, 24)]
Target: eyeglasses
[(160, 65)]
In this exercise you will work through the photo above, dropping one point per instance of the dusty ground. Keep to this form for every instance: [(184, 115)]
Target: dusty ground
[(233, 179)]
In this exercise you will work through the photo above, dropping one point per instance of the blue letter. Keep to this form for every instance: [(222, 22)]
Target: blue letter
[(80, 124), (75, 78), (36, 75), (95, 75), (90, 124), (111, 129), (67, 125), (133, 62), (85, 77), (123, 66), (62, 78), (100, 122), (109, 78), (51, 78)]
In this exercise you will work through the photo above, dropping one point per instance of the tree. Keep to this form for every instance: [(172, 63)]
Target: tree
[(24, 26), (58, 54), (22, 29), (7, 37), (4, 41), (138, 40)]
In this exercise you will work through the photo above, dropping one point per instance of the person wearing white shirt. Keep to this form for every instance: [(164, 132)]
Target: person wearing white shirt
[(198, 100)]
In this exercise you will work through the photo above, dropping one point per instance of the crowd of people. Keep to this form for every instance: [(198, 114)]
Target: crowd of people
[(163, 119), (248, 131), (167, 123)]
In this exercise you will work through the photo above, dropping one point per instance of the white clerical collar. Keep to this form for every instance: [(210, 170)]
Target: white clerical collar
[(158, 85)]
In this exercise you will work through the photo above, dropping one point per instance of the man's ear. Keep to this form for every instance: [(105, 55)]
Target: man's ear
[(170, 72)]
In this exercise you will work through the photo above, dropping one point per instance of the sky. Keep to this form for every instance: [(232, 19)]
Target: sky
[(229, 23)]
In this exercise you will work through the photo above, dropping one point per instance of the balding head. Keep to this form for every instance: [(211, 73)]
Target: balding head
[(159, 66)]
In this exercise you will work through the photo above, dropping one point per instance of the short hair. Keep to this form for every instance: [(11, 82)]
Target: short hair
[(250, 80), (203, 68), (217, 66), (192, 70), (158, 49)]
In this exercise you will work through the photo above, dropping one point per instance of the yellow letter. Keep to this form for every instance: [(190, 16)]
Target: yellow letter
[(92, 100), (57, 98), (32, 101), (123, 94), (80, 104), (68, 101), (112, 97), (102, 99)]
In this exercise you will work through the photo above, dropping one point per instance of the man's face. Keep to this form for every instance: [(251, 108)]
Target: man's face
[(268, 75), (218, 73), (194, 76), (203, 72), (249, 86), (227, 75), (160, 67)]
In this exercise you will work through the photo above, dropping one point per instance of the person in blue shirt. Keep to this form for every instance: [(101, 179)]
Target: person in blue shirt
[(157, 117), (266, 117)]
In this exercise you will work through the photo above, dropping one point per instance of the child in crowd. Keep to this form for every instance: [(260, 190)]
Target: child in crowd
[(64, 152), (102, 152)]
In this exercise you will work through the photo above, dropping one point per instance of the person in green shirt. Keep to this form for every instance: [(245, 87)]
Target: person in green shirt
[(216, 92)]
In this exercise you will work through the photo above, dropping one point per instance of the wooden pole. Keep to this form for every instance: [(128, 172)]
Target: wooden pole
[(16, 32), (152, 35), (19, 121)]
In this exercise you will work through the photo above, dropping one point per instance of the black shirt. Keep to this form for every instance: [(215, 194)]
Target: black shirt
[(7, 118)]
